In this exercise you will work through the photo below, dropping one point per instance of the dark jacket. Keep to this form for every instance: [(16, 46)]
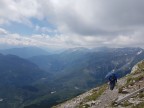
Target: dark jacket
[(113, 80)]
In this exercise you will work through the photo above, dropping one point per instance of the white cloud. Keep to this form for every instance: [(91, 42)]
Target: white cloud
[(3, 31), (90, 23), (63, 41), (95, 17), (19, 10), (45, 30)]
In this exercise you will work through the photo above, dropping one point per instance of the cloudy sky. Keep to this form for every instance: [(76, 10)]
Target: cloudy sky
[(72, 23)]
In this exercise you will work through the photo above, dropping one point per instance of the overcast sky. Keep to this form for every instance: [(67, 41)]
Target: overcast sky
[(72, 23)]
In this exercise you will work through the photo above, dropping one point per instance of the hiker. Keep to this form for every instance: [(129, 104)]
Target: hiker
[(112, 81)]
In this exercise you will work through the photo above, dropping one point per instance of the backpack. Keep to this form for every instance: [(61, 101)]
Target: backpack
[(112, 78)]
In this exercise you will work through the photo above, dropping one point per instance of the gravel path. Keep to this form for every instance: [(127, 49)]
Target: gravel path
[(105, 100)]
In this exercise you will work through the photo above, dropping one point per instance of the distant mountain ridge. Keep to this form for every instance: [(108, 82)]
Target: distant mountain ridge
[(15, 70), (25, 52), (76, 70), (18, 78), (46, 80)]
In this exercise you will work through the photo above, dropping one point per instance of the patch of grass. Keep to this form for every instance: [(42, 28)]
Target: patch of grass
[(141, 95), (120, 89), (130, 81), (96, 94), (141, 65), (140, 105), (126, 103), (140, 68), (113, 104), (136, 72), (139, 78)]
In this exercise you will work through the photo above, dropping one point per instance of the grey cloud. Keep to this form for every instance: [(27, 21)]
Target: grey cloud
[(100, 17), (125, 12), (3, 31), (83, 17), (82, 22)]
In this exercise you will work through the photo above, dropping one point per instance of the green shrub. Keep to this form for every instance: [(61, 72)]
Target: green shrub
[(120, 89), (139, 78), (136, 72), (141, 95), (129, 79), (126, 103)]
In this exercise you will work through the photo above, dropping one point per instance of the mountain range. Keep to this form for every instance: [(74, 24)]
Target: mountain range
[(41, 80), (78, 70), (17, 78), (25, 52)]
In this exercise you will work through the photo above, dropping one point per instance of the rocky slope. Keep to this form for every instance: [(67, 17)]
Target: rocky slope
[(102, 97)]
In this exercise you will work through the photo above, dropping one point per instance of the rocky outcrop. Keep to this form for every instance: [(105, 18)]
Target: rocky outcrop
[(138, 67)]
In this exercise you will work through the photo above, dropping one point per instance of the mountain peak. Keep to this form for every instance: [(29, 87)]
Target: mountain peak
[(81, 49)]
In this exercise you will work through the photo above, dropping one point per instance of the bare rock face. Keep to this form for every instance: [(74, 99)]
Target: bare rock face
[(138, 67), (134, 69)]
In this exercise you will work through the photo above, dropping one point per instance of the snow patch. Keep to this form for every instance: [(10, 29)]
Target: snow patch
[(53, 92), (76, 88), (135, 68), (1, 99), (138, 53)]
